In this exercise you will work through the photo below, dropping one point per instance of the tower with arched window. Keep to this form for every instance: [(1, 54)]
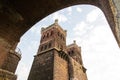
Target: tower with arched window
[(54, 60)]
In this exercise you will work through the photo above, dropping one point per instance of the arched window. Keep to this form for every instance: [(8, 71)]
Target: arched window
[(61, 36), (43, 37), (41, 48), (58, 34), (69, 52), (45, 46), (47, 34), (72, 51), (51, 33), (61, 47), (49, 45), (63, 39)]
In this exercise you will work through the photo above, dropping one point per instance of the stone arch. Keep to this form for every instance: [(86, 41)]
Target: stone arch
[(20, 15), (26, 13)]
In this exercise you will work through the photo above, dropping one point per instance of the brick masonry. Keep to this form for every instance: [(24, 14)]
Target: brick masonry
[(17, 16), (55, 60), (8, 61), (42, 68)]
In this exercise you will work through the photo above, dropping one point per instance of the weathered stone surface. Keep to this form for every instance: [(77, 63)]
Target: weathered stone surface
[(17, 16), (42, 68), (76, 70), (11, 62), (114, 4), (6, 75), (74, 51), (55, 61), (4, 49), (8, 61), (48, 65), (60, 68)]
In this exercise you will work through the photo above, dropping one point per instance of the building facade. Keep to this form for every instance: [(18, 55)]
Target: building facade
[(56, 61)]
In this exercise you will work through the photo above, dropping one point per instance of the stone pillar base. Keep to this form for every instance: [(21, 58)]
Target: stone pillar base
[(6, 75)]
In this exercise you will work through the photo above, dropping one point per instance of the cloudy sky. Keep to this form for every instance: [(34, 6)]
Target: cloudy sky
[(88, 26)]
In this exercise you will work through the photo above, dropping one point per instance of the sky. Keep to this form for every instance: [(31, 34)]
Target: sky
[(88, 26)]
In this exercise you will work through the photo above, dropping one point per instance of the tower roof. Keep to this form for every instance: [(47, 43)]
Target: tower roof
[(73, 44), (55, 25)]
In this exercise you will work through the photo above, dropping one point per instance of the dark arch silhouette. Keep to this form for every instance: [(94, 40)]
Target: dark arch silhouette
[(18, 16)]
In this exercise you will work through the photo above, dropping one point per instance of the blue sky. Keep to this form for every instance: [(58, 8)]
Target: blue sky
[(88, 26)]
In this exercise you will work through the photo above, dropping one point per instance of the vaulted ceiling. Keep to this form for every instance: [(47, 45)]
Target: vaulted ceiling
[(17, 16)]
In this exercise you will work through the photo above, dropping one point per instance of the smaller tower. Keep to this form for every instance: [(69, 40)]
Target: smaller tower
[(54, 60), (75, 52), (76, 67)]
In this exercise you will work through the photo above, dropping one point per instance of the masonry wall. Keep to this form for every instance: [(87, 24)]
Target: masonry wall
[(6, 75), (4, 49), (75, 71), (42, 68), (60, 68), (8, 61), (11, 62)]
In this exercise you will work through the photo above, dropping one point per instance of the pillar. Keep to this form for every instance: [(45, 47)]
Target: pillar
[(9, 59)]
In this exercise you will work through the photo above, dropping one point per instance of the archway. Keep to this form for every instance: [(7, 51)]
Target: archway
[(95, 46), (16, 17), (20, 13)]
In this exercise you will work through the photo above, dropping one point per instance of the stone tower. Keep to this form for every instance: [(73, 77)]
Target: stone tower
[(77, 71), (47, 64), (55, 60)]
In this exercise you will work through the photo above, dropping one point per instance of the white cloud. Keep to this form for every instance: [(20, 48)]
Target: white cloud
[(26, 61), (23, 71), (70, 40), (33, 45), (85, 28), (93, 15), (100, 52), (82, 29), (35, 29), (79, 9), (99, 48), (79, 28), (60, 17), (69, 9)]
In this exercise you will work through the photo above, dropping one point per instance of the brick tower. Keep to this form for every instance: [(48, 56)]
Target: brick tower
[(47, 64), (77, 71), (55, 60)]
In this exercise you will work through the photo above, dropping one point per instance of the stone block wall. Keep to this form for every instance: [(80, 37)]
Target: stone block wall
[(60, 67), (11, 61), (4, 49), (42, 68), (6, 75), (76, 70)]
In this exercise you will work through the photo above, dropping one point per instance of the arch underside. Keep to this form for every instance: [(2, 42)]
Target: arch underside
[(17, 16)]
